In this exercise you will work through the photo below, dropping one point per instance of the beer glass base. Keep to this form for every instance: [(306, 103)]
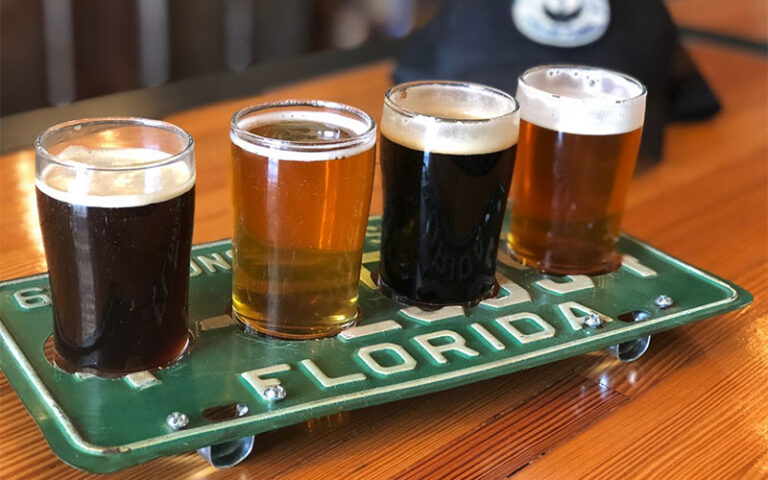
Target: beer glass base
[(611, 264), (388, 291), (60, 362), (259, 327)]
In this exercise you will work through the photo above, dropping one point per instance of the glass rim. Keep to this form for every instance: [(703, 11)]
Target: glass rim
[(304, 145), (187, 150), (405, 111), (574, 66)]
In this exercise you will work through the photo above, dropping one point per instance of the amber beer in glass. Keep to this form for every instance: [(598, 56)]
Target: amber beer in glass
[(580, 131), (447, 154), (302, 175), (115, 198)]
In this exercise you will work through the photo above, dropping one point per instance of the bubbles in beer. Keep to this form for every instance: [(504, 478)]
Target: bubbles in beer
[(78, 155), (114, 177), (452, 119), (581, 100), (304, 135), (303, 131)]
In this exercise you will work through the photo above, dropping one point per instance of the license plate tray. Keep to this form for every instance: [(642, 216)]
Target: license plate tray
[(102, 425)]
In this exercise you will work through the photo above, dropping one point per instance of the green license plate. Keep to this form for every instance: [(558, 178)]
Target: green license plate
[(102, 425)]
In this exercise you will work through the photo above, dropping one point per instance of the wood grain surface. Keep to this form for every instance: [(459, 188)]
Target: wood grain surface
[(695, 406), (746, 19)]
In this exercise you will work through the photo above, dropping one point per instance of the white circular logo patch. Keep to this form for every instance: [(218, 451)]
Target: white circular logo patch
[(562, 23)]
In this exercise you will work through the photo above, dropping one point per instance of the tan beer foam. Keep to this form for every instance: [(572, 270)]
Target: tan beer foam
[(452, 120), (583, 101), (357, 126), (78, 185)]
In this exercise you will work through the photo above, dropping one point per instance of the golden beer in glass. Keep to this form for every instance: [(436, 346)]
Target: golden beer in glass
[(580, 130), (302, 175)]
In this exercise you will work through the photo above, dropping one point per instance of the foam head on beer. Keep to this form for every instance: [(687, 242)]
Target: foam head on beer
[(303, 135), (457, 118), (581, 100), (115, 177)]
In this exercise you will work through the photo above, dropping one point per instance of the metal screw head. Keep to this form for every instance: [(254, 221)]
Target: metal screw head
[(275, 393), (177, 420), (593, 320), (241, 409), (663, 301)]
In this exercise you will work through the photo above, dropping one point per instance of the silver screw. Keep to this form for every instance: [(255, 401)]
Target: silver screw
[(177, 420), (593, 320), (275, 393), (663, 301), (241, 409)]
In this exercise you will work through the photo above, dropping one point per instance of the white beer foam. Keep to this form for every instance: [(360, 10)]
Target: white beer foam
[(581, 100), (451, 119), (291, 151), (104, 185)]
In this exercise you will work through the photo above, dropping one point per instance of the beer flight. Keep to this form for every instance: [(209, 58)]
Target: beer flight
[(116, 203)]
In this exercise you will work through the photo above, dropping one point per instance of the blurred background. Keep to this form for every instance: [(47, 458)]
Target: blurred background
[(53, 52)]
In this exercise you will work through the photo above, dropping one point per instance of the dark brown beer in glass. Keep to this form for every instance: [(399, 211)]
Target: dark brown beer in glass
[(116, 202), (580, 133), (447, 154)]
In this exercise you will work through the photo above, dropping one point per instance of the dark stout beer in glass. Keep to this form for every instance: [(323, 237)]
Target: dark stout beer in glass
[(115, 199), (580, 133), (302, 175), (447, 155)]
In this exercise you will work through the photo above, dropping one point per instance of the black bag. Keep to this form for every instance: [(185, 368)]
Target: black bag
[(481, 41)]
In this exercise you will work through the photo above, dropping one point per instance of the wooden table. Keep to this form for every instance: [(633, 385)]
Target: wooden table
[(696, 406)]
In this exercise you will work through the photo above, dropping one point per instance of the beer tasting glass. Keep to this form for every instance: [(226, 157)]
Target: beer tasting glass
[(447, 155), (580, 133), (302, 176), (115, 197)]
